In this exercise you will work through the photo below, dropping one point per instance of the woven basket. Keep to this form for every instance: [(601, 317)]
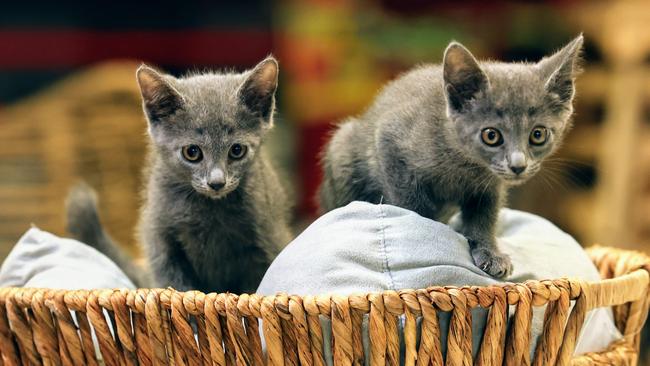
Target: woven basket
[(154, 326), (88, 126)]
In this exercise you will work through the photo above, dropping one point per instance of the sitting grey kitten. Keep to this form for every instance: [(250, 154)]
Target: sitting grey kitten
[(455, 136), (215, 214)]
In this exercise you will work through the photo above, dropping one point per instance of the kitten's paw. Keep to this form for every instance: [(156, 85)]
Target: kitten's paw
[(492, 262)]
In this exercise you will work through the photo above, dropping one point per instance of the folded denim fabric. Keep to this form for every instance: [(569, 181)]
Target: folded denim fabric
[(369, 248), (44, 260)]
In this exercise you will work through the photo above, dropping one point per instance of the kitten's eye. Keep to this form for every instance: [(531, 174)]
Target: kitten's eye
[(237, 151), (192, 153), (491, 137), (538, 136)]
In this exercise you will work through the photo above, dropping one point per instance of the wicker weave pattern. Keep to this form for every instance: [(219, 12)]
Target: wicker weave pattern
[(153, 326)]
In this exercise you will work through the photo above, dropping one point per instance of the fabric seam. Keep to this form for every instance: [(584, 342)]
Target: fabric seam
[(382, 242)]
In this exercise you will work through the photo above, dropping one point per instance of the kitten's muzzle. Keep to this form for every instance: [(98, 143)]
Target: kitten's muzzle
[(517, 162), (217, 179)]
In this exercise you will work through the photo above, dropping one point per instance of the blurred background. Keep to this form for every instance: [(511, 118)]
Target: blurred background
[(70, 109)]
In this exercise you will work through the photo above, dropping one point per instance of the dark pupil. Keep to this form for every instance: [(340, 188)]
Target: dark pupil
[(537, 134), (193, 151), (236, 150), (491, 135)]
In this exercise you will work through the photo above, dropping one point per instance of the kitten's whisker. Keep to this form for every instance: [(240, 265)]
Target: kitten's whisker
[(558, 181), (548, 184), (576, 177)]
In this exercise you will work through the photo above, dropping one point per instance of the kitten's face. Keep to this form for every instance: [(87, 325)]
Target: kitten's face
[(208, 128), (509, 117), (211, 159)]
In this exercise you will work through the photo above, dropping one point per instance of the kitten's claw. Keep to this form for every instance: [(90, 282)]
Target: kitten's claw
[(492, 262)]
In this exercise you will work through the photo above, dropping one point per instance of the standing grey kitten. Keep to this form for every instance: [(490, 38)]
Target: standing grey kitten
[(215, 214), (455, 136)]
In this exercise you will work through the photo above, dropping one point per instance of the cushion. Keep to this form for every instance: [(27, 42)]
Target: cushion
[(365, 247), (43, 260)]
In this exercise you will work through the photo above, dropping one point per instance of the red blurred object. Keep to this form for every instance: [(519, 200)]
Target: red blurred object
[(52, 49), (312, 136)]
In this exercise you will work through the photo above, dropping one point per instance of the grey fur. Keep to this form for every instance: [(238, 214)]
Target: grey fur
[(419, 144), (83, 223), (197, 236)]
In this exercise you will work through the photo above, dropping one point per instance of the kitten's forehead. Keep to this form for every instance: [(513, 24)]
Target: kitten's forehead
[(514, 88), (211, 98)]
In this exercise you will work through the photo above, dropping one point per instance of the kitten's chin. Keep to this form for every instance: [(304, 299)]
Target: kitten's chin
[(513, 181), (212, 194), (215, 196)]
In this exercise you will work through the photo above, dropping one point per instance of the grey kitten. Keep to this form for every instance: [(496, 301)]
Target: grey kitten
[(215, 214), (455, 136)]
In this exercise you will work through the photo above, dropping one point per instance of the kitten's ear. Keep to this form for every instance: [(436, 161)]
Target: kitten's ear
[(462, 75), (560, 70), (258, 90), (160, 98)]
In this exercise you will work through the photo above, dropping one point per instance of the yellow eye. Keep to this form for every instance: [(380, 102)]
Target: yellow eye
[(538, 136), (192, 153), (491, 137)]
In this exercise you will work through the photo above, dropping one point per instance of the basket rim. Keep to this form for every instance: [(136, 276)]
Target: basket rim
[(291, 323), (626, 287)]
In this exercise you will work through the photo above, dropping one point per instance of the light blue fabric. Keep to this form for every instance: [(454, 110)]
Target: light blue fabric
[(367, 248), (43, 260), (358, 248)]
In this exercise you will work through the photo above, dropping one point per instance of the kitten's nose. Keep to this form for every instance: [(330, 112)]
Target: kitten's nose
[(217, 179), (217, 185), (518, 169), (518, 162)]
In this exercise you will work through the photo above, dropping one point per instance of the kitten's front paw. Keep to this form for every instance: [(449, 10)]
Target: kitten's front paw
[(492, 262)]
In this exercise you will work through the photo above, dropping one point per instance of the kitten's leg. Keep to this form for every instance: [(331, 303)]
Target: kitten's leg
[(169, 264), (414, 200), (480, 214), (401, 188)]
